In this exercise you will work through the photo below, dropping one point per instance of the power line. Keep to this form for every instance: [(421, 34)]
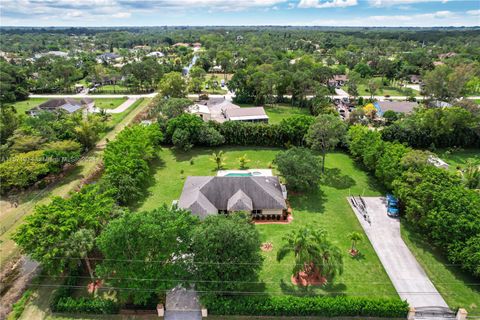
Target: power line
[(224, 281)]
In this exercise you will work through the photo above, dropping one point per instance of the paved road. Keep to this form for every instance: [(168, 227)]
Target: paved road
[(93, 96), (408, 277)]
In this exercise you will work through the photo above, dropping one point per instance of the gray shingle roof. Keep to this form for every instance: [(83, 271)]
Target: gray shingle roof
[(207, 195), (239, 202)]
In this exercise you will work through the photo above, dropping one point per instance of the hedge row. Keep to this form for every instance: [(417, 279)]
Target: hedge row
[(63, 302), (86, 305), (306, 306)]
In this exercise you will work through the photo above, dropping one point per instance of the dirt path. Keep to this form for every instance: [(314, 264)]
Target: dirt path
[(11, 217)]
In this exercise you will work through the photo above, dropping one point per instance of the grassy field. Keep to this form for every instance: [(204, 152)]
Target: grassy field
[(105, 103), (458, 159), (279, 112), (26, 105), (456, 287), (112, 89), (326, 207)]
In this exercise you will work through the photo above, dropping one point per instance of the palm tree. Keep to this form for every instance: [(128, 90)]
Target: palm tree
[(313, 253), (243, 161), (219, 159), (355, 237), (79, 245), (471, 176), (87, 133)]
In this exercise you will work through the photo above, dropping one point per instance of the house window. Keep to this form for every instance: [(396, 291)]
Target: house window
[(256, 211), (222, 211)]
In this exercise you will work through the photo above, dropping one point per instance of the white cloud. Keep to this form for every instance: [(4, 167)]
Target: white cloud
[(433, 19), (327, 4), (473, 12), (389, 3), (122, 15)]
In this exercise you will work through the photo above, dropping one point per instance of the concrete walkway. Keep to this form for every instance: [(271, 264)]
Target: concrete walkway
[(408, 277), (182, 304)]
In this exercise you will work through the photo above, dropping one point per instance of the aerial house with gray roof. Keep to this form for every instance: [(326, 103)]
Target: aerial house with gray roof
[(259, 195)]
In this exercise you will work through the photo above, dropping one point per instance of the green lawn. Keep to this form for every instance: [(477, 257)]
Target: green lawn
[(112, 89), (458, 159), (327, 207), (456, 287), (105, 103), (26, 105), (279, 112)]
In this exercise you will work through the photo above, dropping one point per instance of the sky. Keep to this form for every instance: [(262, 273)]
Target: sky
[(389, 13)]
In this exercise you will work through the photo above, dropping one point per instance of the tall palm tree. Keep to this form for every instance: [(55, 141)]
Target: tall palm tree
[(87, 133), (313, 253)]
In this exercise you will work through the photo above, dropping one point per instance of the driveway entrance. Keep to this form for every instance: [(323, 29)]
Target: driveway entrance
[(407, 276)]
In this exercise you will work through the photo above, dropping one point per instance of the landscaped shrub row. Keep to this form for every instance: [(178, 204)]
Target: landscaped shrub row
[(63, 302), (86, 305), (306, 306)]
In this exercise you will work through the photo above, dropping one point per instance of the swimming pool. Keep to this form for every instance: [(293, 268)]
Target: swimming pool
[(241, 174)]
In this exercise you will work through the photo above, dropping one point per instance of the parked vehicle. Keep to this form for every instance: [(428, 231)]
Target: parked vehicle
[(392, 206)]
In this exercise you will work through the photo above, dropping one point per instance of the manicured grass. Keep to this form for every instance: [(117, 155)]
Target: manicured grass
[(26, 105), (107, 103), (456, 287), (458, 159), (112, 88), (326, 207), (279, 112), (104, 103)]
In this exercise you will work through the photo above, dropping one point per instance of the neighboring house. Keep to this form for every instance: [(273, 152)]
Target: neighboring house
[(60, 54), (200, 110), (397, 106), (217, 68), (107, 57), (205, 196), (221, 110), (255, 114), (155, 54), (181, 44), (447, 55), (415, 79), (338, 80), (68, 105), (437, 162), (439, 104)]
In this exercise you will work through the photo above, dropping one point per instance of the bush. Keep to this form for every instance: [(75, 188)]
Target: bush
[(307, 306), (86, 305), (63, 302)]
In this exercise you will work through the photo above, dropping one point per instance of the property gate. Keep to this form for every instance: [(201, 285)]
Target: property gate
[(424, 313)]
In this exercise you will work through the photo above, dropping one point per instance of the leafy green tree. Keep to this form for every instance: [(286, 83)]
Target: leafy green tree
[(209, 136), (363, 69), (126, 161), (152, 245), (325, 133), (299, 167), (181, 139), (390, 117), (313, 253), (295, 128), (13, 83), (173, 85), (226, 253), (21, 170), (48, 235), (9, 121), (388, 166), (219, 159)]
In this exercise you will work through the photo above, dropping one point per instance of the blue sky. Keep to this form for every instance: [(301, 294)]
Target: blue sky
[(423, 13)]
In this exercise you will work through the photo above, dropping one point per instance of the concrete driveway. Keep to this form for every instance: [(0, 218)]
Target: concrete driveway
[(407, 276)]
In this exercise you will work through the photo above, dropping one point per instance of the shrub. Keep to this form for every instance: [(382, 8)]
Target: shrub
[(307, 306), (86, 305)]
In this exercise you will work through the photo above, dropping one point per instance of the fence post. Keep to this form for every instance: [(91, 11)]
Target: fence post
[(160, 310), (204, 312), (461, 314), (411, 314)]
